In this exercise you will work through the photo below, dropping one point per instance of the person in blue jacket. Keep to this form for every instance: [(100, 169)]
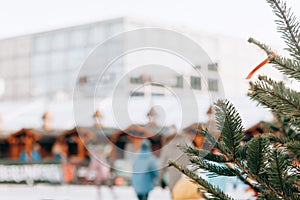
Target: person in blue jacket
[(33, 156), (144, 171)]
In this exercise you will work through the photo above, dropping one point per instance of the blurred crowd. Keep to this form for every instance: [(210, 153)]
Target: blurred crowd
[(145, 170)]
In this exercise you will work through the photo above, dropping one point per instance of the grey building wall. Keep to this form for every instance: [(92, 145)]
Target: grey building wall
[(46, 64)]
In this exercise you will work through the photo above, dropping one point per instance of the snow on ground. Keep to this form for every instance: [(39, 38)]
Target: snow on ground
[(90, 192), (74, 192)]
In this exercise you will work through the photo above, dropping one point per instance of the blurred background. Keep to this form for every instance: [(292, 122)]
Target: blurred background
[(44, 154)]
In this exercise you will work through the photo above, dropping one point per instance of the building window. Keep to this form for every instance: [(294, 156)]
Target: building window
[(156, 94), (97, 34), (57, 62), (212, 85), (157, 84), (213, 67), (59, 41), (136, 80), (137, 94), (179, 82), (114, 28), (75, 57), (197, 66), (78, 38), (56, 83), (42, 43), (196, 82), (40, 64)]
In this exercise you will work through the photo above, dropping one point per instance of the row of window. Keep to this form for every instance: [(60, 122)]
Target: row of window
[(79, 37), (195, 82), (210, 67), (13, 48), (40, 85), (141, 94)]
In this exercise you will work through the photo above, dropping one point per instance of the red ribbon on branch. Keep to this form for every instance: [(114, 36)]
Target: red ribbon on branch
[(260, 65)]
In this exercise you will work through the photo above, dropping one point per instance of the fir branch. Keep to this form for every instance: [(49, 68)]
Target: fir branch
[(288, 26), (209, 188), (281, 174), (294, 148), (276, 96), (213, 168), (291, 145), (192, 151), (209, 138), (273, 138), (267, 189), (287, 66), (268, 196), (242, 152), (256, 158), (230, 126)]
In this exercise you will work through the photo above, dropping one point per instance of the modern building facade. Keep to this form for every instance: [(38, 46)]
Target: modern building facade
[(46, 64), (38, 73)]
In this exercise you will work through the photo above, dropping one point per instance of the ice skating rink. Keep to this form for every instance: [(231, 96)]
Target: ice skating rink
[(75, 192), (91, 192)]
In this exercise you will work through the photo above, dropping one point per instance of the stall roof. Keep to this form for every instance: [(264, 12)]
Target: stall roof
[(22, 114)]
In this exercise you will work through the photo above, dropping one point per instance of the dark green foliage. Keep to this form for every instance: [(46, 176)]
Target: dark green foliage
[(256, 155), (287, 66), (210, 191), (276, 96), (269, 163), (204, 153), (288, 26), (230, 127), (214, 169), (269, 196)]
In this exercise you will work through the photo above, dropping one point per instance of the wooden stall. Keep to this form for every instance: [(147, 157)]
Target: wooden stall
[(193, 132), (4, 145), (130, 139), (22, 140), (257, 129), (47, 141), (74, 142)]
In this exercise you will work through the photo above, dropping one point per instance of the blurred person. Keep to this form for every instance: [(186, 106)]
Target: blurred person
[(169, 175), (144, 171), (59, 149), (68, 170), (97, 170), (33, 155)]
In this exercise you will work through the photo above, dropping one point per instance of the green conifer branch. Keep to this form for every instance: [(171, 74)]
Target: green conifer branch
[(191, 151), (229, 124), (279, 171), (256, 158), (288, 26), (287, 66), (213, 168), (268, 160), (276, 96), (209, 188)]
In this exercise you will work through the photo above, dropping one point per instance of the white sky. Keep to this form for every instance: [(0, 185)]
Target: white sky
[(241, 18)]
